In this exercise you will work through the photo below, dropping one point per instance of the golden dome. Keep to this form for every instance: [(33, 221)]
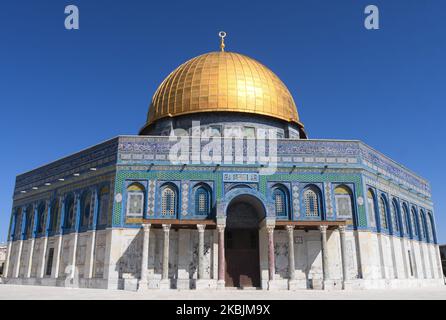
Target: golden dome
[(223, 82)]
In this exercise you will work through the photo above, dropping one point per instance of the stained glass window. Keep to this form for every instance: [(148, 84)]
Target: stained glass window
[(430, 227), (104, 199), (54, 215), (394, 214), (202, 203), (69, 212), (371, 208), (86, 208), (423, 227), (383, 213), (405, 217), (41, 218), (168, 201), (280, 202), (311, 201), (413, 218), (18, 223)]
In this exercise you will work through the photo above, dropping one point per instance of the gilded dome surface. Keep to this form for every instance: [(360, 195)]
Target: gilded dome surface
[(223, 82)]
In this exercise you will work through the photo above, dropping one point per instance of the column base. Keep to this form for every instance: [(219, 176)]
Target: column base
[(297, 284), (143, 286), (332, 284), (184, 284), (221, 285), (273, 285), (164, 284), (203, 284)]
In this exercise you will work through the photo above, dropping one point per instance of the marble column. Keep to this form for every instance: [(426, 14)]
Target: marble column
[(19, 258), (22, 235), (201, 283), (343, 255), (291, 266), (33, 241), (145, 257), (325, 263), (201, 228), (221, 257), (93, 235), (73, 273), (58, 256), (45, 240), (165, 283), (8, 259), (271, 256), (60, 240), (30, 259)]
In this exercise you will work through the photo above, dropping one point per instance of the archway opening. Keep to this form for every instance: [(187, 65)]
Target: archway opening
[(242, 256)]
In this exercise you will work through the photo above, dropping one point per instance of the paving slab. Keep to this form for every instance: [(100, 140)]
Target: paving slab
[(15, 292)]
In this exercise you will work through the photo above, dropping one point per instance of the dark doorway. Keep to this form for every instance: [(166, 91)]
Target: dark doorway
[(242, 242)]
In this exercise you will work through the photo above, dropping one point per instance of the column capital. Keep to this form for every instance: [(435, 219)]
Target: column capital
[(270, 229), (290, 228), (201, 227), (323, 228), (166, 227), (146, 226), (221, 227), (342, 229)]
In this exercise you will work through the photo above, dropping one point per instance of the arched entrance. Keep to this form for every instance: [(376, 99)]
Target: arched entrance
[(244, 214)]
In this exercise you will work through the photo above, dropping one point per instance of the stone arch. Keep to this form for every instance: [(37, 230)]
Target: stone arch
[(267, 205)]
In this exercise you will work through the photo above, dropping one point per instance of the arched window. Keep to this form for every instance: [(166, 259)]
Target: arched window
[(405, 218), (394, 216), (41, 218), (280, 202), (312, 202), (70, 215), (202, 201), (430, 221), (54, 215), (29, 221), (424, 233), (104, 199), (383, 213), (18, 224), (413, 222), (135, 200), (169, 201), (371, 208), (344, 203), (86, 209)]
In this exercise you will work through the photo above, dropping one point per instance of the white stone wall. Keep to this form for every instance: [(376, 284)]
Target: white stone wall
[(372, 260)]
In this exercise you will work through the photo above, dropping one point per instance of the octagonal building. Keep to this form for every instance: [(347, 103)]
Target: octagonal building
[(222, 188)]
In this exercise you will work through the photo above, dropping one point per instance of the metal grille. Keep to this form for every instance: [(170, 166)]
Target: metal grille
[(168, 202), (383, 213), (280, 202), (311, 204)]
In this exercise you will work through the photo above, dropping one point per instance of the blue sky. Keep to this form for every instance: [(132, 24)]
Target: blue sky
[(62, 91)]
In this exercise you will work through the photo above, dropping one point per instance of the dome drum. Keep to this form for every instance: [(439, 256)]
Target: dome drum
[(221, 122)]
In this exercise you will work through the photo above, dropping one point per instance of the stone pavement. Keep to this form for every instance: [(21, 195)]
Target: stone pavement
[(14, 292)]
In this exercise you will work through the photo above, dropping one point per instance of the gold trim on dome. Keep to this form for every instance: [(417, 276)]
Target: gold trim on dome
[(223, 82)]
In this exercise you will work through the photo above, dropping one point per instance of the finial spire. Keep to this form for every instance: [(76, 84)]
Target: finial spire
[(222, 36)]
